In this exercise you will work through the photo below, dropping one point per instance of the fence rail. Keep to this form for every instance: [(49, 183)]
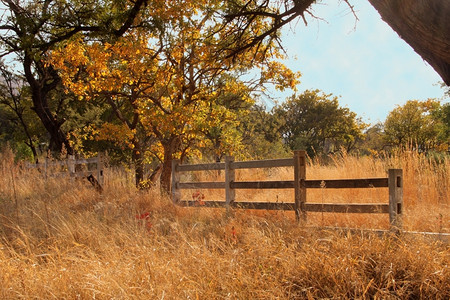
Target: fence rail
[(394, 183)]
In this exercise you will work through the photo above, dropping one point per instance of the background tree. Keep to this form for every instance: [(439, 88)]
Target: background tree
[(374, 141), (19, 125), (442, 118), (314, 121), (261, 135), (414, 125)]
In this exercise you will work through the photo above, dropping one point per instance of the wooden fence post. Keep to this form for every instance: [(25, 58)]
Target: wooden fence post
[(176, 194), (300, 189), (71, 165), (230, 194), (395, 199), (46, 168), (100, 167)]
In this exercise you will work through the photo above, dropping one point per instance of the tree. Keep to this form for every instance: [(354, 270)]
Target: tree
[(314, 121), (30, 29), (374, 141), (14, 104), (441, 116), (414, 125), (173, 82), (261, 135), (221, 135), (422, 24)]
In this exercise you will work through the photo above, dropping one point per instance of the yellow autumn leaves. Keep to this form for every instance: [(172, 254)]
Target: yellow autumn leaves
[(171, 80)]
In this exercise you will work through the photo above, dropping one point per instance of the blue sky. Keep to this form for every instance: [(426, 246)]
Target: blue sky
[(365, 61)]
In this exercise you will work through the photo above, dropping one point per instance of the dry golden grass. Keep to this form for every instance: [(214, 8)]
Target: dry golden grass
[(60, 239), (426, 191)]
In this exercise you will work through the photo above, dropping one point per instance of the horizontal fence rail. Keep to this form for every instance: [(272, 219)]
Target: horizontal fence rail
[(300, 185), (310, 207), (258, 164), (346, 183)]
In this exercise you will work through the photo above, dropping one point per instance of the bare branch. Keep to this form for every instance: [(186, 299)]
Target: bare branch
[(279, 20)]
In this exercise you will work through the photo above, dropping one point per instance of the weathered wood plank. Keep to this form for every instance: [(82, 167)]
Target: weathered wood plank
[(314, 184), (201, 167), (395, 198), (299, 190), (346, 183), (347, 208), (310, 207), (100, 167), (93, 160), (262, 185), (230, 176), (435, 236), (268, 163), (264, 205), (244, 205), (201, 185), (191, 203), (48, 164)]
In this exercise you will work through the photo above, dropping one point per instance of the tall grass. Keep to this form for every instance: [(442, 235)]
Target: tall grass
[(426, 191), (61, 239)]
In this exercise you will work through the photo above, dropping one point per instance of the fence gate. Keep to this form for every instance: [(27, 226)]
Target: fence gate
[(81, 167)]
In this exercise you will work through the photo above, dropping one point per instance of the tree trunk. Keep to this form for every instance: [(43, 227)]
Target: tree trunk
[(170, 147), (166, 173), (424, 25), (57, 136), (39, 95), (138, 162)]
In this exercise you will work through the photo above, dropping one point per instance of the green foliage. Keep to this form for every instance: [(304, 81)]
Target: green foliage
[(261, 136), (442, 116), (417, 125), (374, 140), (19, 125), (314, 121)]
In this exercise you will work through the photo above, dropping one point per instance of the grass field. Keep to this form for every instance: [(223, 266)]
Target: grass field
[(60, 239)]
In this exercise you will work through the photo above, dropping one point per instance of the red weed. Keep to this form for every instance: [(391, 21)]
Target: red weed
[(199, 197), (233, 235), (143, 216), (146, 218)]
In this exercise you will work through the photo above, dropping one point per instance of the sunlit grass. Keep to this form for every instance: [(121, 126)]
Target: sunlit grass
[(61, 239), (426, 191)]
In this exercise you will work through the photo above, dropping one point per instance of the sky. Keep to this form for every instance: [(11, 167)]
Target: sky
[(363, 61)]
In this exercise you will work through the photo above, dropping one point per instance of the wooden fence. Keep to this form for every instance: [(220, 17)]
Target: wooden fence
[(394, 182), (90, 168)]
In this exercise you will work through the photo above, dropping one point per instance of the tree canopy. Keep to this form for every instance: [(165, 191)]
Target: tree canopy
[(315, 121), (420, 125), (172, 85)]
